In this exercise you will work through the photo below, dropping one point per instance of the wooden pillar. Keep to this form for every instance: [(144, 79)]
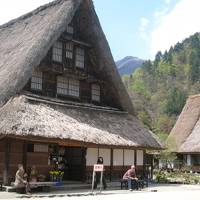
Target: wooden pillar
[(24, 156), (135, 151), (111, 164), (84, 151), (123, 158), (6, 161), (144, 163), (152, 167)]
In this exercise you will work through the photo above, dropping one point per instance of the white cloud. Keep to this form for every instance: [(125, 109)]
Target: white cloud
[(167, 1), (144, 23), (161, 13), (10, 9), (181, 22)]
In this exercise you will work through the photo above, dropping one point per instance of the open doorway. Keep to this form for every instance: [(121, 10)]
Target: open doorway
[(75, 164)]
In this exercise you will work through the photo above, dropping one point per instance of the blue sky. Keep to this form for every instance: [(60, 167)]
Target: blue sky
[(133, 27), (128, 24)]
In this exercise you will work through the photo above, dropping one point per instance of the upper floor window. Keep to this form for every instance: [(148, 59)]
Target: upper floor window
[(69, 50), (74, 87), (36, 80), (80, 57), (68, 86), (70, 29), (96, 92), (57, 52)]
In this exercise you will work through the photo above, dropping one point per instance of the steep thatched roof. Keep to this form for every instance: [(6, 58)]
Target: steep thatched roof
[(25, 41), (185, 136), (28, 116)]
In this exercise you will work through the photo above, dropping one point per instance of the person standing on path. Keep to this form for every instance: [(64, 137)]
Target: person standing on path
[(98, 175)]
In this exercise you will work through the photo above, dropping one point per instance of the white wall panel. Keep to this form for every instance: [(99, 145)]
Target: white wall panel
[(117, 157), (140, 157), (105, 153), (91, 156), (129, 157)]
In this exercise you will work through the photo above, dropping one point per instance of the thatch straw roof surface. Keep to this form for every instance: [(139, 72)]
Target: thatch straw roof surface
[(24, 116), (25, 41), (185, 136)]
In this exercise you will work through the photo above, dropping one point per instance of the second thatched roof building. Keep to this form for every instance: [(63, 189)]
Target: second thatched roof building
[(184, 138)]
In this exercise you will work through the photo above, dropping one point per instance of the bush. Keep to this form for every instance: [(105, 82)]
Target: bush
[(162, 176)]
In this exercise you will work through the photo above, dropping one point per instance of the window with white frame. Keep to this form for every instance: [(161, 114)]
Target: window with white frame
[(68, 86), (57, 52), (62, 85), (36, 80), (96, 92), (74, 87), (80, 57), (69, 50), (70, 29)]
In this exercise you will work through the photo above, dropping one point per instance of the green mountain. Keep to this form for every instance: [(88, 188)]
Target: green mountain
[(160, 88), (128, 65)]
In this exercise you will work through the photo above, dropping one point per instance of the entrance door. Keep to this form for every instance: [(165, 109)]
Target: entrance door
[(75, 163)]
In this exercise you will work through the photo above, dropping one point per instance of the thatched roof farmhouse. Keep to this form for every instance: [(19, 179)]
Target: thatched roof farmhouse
[(59, 87), (185, 136)]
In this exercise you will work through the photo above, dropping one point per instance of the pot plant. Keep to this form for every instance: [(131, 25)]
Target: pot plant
[(56, 176)]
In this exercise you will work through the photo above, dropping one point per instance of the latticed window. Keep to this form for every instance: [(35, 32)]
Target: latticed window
[(57, 52), (69, 50), (80, 57), (36, 80), (74, 87), (68, 86), (70, 29), (62, 85), (96, 92)]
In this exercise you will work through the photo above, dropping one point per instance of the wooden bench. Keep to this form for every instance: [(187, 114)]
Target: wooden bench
[(141, 184), (124, 183), (45, 186)]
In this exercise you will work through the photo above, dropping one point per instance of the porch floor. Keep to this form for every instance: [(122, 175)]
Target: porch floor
[(71, 186)]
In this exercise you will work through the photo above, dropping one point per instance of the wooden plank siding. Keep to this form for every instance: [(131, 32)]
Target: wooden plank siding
[(88, 75), (117, 168), (18, 154)]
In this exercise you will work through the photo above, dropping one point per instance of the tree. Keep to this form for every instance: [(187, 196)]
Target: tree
[(147, 66), (167, 158), (194, 72), (175, 102), (158, 58)]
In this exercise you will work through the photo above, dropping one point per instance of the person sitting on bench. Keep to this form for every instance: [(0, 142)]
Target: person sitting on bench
[(21, 179), (131, 177)]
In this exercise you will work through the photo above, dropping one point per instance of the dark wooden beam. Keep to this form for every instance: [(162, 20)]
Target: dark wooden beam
[(144, 163), (123, 159), (135, 152), (84, 151), (24, 155), (111, 164)]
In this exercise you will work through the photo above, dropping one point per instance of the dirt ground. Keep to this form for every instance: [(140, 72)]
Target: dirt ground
[(154, 192)]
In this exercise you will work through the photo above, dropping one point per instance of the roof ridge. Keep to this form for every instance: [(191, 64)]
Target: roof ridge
[(33, 12), (194, 96), (185, 140)]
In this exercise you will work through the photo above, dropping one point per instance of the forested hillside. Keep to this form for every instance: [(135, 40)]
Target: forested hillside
[(160, 88)]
